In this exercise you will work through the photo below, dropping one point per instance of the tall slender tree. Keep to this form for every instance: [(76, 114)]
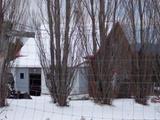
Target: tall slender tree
[(11, 13), (60, 70), (139, 15), (102, 15)]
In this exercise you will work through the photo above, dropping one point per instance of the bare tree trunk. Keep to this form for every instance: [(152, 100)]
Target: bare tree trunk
[(61, 69), (52, 77), (1, 13), (102, 18), (100, 77), (94, 36), (156, 62), (57, 42), (141, 61), (2, 59), (10, 12)]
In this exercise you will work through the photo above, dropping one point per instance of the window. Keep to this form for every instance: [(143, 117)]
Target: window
[(21, 75)]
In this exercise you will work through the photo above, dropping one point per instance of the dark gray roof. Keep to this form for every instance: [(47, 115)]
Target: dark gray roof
[(149, 48)]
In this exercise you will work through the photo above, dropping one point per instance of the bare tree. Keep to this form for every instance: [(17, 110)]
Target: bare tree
[(11, 12), (156, 25), (139, 15), (102, 15), (60, 70)]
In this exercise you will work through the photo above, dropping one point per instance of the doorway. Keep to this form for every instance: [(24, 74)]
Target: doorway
[(35, 84)]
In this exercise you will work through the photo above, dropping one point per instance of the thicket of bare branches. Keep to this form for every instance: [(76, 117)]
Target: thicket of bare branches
[(11, 13), (140, 20), (60, 64), (102, 14), (121, 57)]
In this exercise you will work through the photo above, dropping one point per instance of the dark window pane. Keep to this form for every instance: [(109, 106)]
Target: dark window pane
[(21, 75)]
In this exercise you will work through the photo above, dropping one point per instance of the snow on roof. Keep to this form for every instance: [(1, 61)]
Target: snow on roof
[(29, 55), (29, 52)]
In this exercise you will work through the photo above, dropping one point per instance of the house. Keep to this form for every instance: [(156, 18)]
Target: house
[(116, 55), (27, 69), (27, 79), (29, 76), (112, 59), (113, 66), (12, 54)]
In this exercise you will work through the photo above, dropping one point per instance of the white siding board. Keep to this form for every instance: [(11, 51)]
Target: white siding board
[(21, 84)]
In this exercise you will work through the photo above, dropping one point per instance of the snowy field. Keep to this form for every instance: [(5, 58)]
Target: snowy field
[(41, 108)]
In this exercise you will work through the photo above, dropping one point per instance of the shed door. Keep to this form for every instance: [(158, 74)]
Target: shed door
[(35, 84)]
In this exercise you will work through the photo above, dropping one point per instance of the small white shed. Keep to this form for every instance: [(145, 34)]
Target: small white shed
[(29, 76), (27, 69)]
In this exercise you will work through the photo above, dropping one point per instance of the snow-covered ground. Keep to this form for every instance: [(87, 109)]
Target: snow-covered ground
[(41, 108)]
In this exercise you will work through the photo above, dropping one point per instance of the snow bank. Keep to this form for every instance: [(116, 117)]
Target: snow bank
[(41, 108)]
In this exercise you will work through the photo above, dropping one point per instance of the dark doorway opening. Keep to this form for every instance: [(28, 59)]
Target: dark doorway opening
[(35, 84)]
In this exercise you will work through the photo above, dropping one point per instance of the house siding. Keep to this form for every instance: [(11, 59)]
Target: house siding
[(21, 84), (83, 81), (80, 85), (44, 89)]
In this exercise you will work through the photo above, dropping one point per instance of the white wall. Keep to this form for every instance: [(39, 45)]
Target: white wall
[(44, 89), (21, 84), (75, 89), (80, 85)]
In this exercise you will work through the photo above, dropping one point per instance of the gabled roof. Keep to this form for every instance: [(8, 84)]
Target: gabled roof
[(114, 35), (29, 54), (120, 31), (151, 48)]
